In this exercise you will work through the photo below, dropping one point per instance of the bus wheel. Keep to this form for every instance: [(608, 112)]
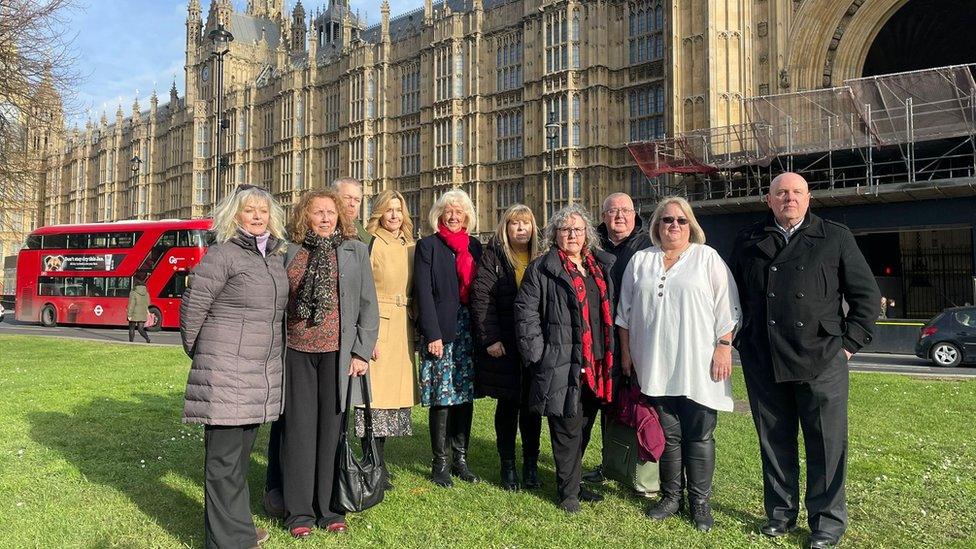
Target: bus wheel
[(49, 316), (154, 322)]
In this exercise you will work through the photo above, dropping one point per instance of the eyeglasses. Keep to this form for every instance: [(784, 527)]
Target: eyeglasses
[(579, 231), (669, 220), (614, 211)]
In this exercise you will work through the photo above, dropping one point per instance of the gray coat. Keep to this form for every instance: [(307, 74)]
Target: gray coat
[(231, 322), (359, 317)]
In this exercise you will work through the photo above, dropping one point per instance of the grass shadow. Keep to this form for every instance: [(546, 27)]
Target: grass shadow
[(139, 448)]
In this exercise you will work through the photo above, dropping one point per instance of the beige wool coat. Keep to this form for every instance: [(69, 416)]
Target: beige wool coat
[(393, 375)]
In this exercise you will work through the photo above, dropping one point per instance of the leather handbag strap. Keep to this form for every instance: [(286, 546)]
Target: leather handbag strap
[(368, 416)]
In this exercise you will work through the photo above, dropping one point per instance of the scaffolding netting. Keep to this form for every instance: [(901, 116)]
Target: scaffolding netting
[(876, 111)]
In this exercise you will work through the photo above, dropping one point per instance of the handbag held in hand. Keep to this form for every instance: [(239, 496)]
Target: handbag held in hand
[(360, 483)]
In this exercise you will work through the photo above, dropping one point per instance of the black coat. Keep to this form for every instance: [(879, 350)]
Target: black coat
[(792, 297), (493, 318), (638, 240), (435, 287), (549, 327)]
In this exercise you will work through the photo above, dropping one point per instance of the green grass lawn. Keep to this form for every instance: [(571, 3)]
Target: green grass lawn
[(93, 454)]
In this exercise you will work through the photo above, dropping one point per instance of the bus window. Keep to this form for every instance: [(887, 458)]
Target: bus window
[(117, 286), (33, 242), (168, 240), (95, 286), (54, 241), (198, 239), (48, 285), (77, 241), (123, 240), (98, 240), (176, 286)]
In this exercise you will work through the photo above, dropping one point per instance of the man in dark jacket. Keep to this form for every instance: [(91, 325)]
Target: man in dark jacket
[(795, 271), (622, 235)]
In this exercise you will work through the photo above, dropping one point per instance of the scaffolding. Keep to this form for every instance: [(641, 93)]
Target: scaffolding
[(903, 128)]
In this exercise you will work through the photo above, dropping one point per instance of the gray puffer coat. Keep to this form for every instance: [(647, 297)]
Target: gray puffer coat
[(231, 320)]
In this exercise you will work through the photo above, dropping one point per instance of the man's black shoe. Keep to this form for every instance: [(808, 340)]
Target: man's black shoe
[(820, 540), (777, 528)]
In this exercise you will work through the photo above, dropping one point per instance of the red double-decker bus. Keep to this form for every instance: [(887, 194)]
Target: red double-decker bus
[(82, 274)]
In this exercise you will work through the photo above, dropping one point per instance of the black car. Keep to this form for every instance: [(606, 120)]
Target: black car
[(949, 338)]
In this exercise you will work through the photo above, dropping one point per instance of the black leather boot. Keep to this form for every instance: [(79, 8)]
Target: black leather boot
[(699, 457), (510, 480), (530, 474), (439, 473), (459, 428), (671, 500)]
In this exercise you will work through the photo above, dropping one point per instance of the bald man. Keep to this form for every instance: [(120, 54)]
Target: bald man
[(794, 271)]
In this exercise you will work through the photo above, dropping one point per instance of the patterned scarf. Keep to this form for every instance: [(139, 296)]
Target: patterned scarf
[(596, 371), (315, 292), (464, 261)]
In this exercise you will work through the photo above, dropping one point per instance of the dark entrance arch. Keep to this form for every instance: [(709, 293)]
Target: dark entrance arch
[(924, 34)]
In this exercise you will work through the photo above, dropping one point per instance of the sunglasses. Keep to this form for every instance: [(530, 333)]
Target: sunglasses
[(248, 186), (669, 220)]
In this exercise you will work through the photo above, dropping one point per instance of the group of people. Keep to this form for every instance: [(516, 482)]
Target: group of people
[(279, 319)]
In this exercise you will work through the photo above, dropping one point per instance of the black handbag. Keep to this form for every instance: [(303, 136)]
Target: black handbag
[(360, 483)]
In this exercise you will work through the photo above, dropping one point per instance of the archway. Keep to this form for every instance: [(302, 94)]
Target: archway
[(923, 34)]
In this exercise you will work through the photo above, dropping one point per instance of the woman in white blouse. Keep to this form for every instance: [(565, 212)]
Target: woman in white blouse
[(678, 309)]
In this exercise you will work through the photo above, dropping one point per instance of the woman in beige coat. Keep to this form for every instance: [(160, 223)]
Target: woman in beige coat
[(393, 376)]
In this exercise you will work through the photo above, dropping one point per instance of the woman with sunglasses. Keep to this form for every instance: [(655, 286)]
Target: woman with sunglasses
[(678, 308)]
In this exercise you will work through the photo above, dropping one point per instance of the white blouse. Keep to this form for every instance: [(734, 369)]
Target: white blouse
[(675, 319)]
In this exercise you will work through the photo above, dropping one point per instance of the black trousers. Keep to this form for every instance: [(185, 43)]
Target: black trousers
[(689, 446), (511, 416), (227, 499), (310, 438), (141, 326), (819, 407), (567, 435), (273, 478)]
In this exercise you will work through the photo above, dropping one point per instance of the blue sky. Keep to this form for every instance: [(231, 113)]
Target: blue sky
[(127, 48)]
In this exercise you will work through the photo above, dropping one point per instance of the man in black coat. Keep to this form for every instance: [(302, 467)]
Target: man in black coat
[(794, 272), (622, 234)]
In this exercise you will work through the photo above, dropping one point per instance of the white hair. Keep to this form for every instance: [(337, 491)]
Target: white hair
[(453, 197)]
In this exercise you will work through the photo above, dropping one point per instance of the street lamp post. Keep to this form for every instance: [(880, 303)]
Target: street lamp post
[(135, 163), (221, 39), (552, 133)]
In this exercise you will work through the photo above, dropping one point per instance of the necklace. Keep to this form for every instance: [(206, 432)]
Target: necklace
[(677, 257)]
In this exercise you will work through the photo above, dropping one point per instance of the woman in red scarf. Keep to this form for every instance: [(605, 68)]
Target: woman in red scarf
[(444, 268), (564, 323)]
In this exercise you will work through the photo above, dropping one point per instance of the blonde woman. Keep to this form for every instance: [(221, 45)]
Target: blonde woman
[(231, 324), (499, 372), (678, 308), (444, 271), (393, 377)]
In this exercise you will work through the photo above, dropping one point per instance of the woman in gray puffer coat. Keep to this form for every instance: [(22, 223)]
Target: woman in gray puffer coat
[(231, 320)]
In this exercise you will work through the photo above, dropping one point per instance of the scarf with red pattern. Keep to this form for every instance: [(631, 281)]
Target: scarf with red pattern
[(464, 261), (596, 371)]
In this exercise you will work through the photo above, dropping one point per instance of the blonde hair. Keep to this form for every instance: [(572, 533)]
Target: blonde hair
[(517, 212), (697, 234), (379, 207), (453, 197), (298, 227), (225, 224)]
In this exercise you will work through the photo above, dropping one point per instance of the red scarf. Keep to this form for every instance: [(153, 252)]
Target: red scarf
[(464, 262), (596, 371)]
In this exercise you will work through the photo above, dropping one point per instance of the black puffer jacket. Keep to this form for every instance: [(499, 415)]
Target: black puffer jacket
[(493, 317), (624, 250), (549, 327)]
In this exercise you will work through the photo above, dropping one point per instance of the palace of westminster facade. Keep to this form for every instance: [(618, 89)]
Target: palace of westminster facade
[(455, 93)]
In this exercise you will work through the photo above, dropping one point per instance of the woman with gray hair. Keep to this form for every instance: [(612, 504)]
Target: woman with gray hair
[(231, 322), (564, 323), (678, 307), (444, 269)]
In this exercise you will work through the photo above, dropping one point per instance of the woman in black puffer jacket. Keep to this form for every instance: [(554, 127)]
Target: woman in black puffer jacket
[(499, 372)]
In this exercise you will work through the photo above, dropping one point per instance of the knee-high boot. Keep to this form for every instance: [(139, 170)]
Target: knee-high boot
[(459, 427), (700, 467), (439, 472)]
